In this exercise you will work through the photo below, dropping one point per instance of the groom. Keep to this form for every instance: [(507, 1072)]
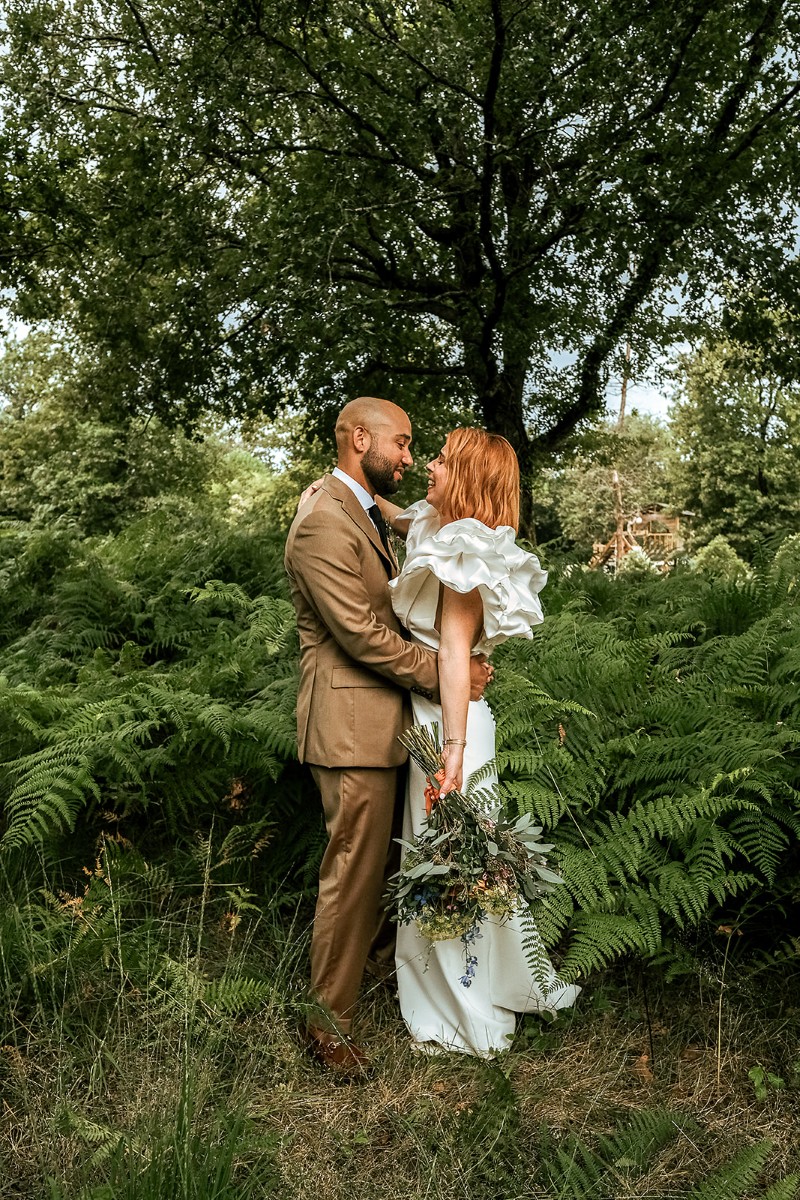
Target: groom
[(356, 670)]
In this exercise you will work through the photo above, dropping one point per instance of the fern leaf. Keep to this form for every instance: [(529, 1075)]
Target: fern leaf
[(735, 1178)]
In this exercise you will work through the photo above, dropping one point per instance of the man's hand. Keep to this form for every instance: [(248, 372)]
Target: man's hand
[(480, 673)]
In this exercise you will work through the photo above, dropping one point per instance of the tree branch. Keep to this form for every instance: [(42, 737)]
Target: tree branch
[(431, 372), (361, 123), (86, 102), (489, 134), (148, 41), (392, 40)]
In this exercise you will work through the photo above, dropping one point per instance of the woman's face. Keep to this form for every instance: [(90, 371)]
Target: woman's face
[(437, 480)]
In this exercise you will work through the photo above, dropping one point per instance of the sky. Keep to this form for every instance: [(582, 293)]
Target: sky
[(645, 399)]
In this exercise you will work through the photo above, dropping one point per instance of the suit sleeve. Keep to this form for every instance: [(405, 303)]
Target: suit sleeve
[(326, 565)]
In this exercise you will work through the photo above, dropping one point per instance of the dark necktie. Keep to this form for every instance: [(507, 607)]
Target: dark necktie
[(375, 513)]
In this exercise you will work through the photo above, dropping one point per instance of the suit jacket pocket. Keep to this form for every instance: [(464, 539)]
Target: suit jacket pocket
[(357, 677)]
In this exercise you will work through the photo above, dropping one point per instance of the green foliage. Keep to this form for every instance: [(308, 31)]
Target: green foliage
[(134, 683), (63, 457), (675, 804), (189, 1159), (148, 683), (574, 496), (735, 1179), (487, 1141), (372, 197), (575, 1171), (637, 562), (719, 559), (784, 1189), (651, 726), (160, 843), (736, 425), (188, 1156)]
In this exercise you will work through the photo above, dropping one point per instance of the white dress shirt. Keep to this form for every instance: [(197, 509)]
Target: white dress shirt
[(361, 494)]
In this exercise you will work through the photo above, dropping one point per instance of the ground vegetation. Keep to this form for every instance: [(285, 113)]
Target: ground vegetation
[(158, 855)]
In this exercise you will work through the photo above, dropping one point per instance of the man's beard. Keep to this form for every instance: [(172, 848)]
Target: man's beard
[(379, 472)]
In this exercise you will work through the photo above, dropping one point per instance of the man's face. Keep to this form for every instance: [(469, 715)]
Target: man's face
[(388, 455)]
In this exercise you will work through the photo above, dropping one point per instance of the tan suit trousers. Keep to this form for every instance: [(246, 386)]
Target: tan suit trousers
[(362, 810)]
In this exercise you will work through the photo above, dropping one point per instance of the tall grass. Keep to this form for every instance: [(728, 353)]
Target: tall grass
[(149, 1048), (125, 1014)]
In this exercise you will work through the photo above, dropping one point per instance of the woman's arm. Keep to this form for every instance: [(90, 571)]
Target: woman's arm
[(461, 623), (390, 512)]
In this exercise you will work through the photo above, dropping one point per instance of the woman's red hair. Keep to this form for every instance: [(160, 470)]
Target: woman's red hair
[(482, 478)]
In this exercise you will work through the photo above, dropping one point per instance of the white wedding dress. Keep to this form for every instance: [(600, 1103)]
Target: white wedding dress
[(440, 1011)]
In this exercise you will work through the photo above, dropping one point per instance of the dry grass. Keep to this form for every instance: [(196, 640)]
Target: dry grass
[(582, 1076), (74, 1082)]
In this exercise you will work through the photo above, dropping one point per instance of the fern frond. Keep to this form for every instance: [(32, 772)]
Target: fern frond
[(736, 1177), (784, 1189), (235, 995)]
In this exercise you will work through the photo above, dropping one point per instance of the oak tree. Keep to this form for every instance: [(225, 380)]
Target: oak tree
[(463, 204)]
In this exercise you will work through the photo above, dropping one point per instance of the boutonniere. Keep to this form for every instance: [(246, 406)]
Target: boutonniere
[(397, 544)]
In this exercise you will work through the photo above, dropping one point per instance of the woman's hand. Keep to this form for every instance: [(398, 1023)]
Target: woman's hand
[(431, 796), (309, 492), (451, 776)]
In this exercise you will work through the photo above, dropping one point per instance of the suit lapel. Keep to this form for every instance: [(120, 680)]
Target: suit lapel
[(341, 492)]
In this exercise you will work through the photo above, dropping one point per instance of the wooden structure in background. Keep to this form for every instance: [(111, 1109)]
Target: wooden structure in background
[(655, 529)]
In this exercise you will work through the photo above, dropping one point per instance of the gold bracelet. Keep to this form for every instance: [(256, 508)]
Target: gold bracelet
[(455, 741)]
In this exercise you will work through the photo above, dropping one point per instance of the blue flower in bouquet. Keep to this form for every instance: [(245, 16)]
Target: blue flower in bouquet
[(470, 960)]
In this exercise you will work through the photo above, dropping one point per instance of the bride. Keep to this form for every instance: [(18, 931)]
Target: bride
[(465, 587)]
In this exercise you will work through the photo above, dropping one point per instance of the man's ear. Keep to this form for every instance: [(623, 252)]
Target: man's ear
[(361, 438)]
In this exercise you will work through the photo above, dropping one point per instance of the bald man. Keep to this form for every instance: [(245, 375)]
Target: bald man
[(356, 670)]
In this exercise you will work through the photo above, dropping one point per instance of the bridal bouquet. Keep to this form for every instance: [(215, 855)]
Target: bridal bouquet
[(465, 864)]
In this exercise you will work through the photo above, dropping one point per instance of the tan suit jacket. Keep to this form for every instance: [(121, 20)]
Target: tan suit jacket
[(356, 664)]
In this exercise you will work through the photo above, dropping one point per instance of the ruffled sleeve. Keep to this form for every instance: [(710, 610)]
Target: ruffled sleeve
[(464, 555)]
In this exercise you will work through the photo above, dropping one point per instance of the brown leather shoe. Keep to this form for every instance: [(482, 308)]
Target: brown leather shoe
[(338, 1053)]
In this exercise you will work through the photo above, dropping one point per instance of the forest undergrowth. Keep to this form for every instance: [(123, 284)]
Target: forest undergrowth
[(151, 1049), (157, 866)]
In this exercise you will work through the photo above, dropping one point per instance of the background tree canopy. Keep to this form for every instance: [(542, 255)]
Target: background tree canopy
[(736, 427), (459, 205), (574, 496)]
